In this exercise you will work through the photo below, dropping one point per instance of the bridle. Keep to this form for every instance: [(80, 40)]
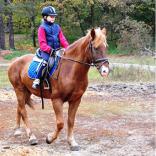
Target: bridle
[(93, 62)]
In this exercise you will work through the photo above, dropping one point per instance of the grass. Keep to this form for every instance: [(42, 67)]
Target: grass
[(23, 43), (117, 56), (112, 49), (4, 81), (15, 54), (142, 60), (121, 74)]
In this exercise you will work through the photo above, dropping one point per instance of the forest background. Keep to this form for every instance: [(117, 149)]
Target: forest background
[(130, 24)]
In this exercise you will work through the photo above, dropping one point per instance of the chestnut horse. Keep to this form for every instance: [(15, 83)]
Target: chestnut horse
[(69, 87)]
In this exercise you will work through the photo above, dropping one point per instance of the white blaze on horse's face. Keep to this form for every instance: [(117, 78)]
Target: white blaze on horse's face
[(104, 71)]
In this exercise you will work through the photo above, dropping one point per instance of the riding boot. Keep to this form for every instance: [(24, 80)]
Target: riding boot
[(40, 72)]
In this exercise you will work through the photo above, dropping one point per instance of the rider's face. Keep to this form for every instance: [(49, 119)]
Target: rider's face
[(51, 19)]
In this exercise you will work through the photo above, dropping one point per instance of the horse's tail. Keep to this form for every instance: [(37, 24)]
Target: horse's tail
[(30, 103)]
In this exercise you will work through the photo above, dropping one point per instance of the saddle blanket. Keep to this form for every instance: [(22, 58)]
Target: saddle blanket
[(34, 64)]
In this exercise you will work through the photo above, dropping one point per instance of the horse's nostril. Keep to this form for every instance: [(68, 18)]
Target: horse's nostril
[(104, 69)]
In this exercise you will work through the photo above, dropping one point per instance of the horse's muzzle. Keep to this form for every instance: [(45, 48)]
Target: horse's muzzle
[(104, 71)]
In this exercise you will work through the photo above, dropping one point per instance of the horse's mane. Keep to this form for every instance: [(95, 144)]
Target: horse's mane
[(99, 38)]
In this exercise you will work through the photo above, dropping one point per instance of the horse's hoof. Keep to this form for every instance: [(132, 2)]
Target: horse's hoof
[(17, 133), (49, 138), (33, 142), (47, 141), (74, 148)]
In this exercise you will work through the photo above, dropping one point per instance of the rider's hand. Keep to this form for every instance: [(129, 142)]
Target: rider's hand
[(63, 50)]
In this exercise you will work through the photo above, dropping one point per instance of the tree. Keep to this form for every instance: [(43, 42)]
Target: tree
[(135, 36), (28, 10), (76, 17), (8, 11), (144, 10), (81, 12), (2, 33)]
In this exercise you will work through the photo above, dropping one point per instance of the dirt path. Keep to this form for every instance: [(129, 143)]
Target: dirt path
[(112, 120)]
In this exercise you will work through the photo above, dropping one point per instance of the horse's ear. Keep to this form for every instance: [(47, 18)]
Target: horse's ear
[(104, 31), (92, 34)]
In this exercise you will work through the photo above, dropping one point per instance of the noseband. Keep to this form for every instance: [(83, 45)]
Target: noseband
[(94, 62)]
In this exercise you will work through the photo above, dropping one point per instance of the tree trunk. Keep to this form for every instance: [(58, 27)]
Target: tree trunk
[(92, 15), (2, 34), (33, 30), (32, 21), (10, 24), (11, 32)]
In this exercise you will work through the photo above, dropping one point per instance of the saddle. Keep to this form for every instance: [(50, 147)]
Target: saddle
[(50, 67)]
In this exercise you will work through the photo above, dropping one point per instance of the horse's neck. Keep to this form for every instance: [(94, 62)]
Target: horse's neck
[(79, 52)]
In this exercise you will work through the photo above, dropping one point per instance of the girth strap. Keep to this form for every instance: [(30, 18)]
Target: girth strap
[(41, 92)]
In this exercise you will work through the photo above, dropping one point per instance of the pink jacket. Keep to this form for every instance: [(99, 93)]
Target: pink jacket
[(43, 43)]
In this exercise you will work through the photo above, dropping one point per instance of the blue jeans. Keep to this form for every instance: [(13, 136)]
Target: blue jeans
[(44, 55)]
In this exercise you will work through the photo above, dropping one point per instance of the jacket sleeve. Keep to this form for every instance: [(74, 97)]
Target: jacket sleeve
[(63, 41), (42, 40)]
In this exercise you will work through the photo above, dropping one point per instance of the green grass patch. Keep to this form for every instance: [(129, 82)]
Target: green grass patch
[(94, 74), (15, 54), (4, 81), (112, 49)]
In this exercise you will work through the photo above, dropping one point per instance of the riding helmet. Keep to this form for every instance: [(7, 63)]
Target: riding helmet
[(49, 11)]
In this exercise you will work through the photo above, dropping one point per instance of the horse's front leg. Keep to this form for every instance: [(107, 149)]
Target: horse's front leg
[(73, 106), (58, 109)]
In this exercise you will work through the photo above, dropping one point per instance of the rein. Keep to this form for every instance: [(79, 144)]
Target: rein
[(93, 62), (72, 60)]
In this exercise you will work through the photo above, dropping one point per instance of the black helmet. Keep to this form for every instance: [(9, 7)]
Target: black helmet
[(49, 10)]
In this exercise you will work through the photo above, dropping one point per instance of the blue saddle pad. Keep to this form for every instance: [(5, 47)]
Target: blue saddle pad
[(34, 64)]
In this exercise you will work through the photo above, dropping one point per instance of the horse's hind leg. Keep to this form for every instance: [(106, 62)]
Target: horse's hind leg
[(21, 102), (58, 108), (22, 94), (18, 113)]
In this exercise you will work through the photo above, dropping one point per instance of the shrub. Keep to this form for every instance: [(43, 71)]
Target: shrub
[(134, 36)]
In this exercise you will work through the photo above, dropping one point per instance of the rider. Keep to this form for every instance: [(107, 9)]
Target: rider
[(50, 37)]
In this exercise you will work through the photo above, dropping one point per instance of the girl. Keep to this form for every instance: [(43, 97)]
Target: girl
[(50, 37)]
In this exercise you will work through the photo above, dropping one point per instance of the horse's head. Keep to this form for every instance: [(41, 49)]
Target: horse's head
[(97, 47)]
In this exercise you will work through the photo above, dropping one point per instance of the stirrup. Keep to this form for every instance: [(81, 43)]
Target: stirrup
[(36, 83)]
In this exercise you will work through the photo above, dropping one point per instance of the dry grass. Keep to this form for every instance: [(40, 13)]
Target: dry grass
[(119, 74)]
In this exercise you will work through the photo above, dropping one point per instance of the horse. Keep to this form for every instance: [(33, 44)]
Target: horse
[(89, 50)]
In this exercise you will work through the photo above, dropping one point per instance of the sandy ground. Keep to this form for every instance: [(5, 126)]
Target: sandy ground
[(113, 120)]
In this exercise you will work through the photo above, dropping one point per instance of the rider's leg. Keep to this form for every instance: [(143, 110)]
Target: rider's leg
[(40, 71)]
